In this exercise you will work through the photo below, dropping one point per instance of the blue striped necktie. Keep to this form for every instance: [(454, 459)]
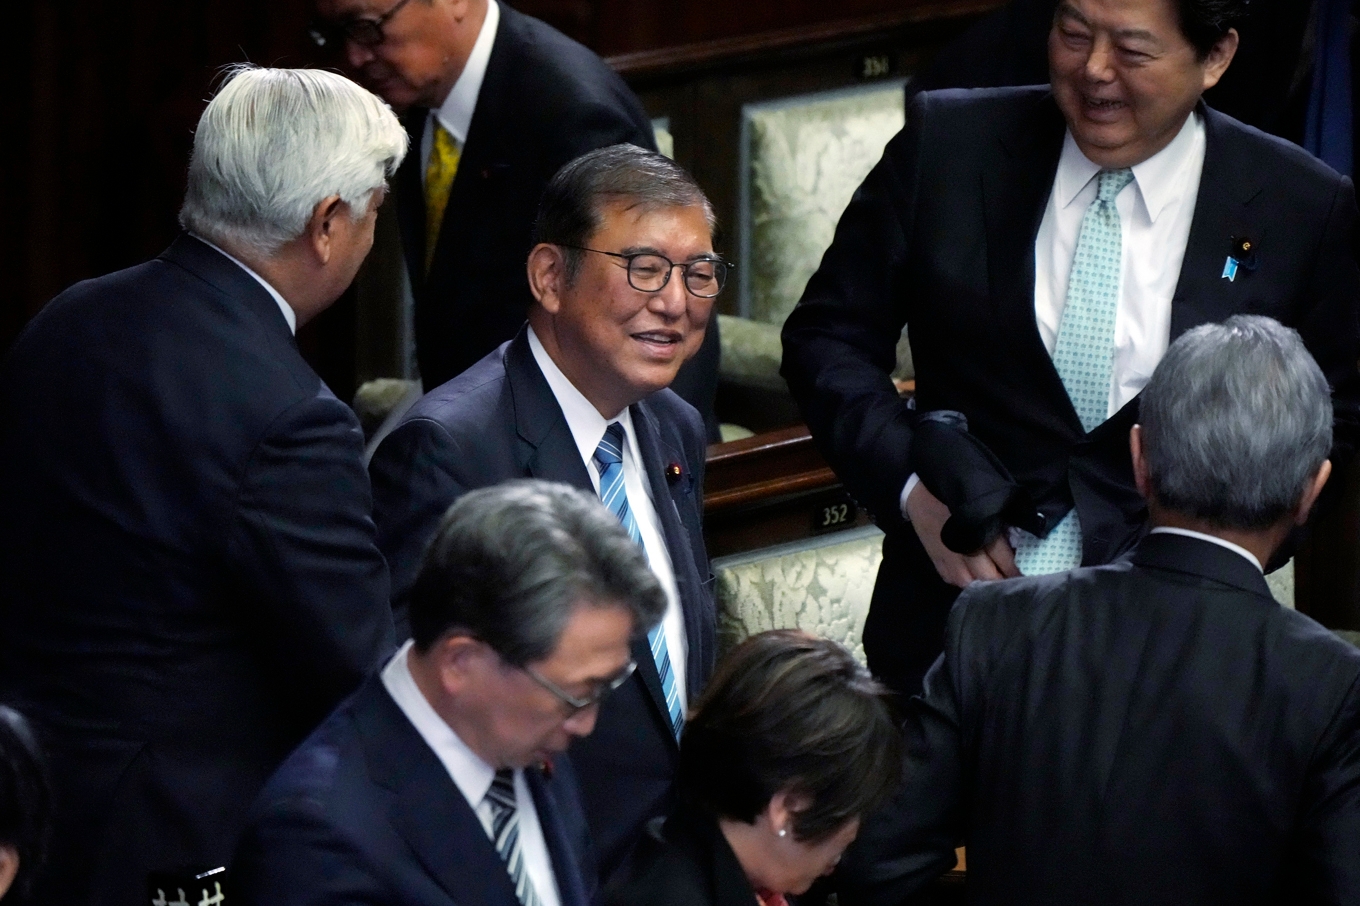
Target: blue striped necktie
[(1084, 354), (609, 460), (505, 834)]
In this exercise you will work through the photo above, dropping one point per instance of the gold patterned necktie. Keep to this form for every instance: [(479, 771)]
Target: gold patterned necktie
[(439, 172)]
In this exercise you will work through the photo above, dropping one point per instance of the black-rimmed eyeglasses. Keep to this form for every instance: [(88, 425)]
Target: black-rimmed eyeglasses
[(649, 272), (362, 31), (575, 703)]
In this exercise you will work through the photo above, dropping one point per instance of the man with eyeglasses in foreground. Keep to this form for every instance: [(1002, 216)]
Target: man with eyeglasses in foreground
[(495, 102), (624, 275), (435, 783)]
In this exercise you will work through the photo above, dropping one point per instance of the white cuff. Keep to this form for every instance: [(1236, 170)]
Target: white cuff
[(910, 486)]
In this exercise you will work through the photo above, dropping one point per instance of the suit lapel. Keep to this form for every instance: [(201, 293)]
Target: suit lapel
[(1223, 210), (410, 197), (428, 810), (486, 155), (657, 455), (566, 862), (547, 449), (1014, 196)]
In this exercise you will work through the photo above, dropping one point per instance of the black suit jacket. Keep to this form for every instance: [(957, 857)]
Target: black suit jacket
[(499, 421), (545, 100), (684, 862), (1154, 731), (365, 812), (940, 237), (190, 575)]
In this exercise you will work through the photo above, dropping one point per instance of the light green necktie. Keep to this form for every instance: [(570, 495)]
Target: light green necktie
[(1084, 354)]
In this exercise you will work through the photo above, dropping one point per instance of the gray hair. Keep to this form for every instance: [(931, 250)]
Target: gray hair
[(573, 202), (274, 143), (511, 562), (1236, 422)]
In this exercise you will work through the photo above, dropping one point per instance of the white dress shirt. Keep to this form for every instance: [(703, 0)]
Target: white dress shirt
[(587, 429), (471, 774), (288, 314), (1212, 539), (455, 114), (1155, 210)]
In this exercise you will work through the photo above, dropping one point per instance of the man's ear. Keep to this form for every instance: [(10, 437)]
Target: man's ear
[(321, 227), (1141, 480), (1314, 489), (1219, 58), (9, 867), (547, 269), (459, 659)]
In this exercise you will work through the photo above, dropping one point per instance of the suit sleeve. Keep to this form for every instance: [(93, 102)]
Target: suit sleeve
[(301, 542), (414, 483), (1330, 321), (911, 841), (840, 342)]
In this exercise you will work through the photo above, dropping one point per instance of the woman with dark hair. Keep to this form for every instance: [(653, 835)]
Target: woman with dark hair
[(792, 744), (25, 807)]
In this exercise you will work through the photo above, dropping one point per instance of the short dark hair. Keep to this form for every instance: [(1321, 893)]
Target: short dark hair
[(25, 801), (510, 562), (789, 711), (1205, 22), (572, 204)]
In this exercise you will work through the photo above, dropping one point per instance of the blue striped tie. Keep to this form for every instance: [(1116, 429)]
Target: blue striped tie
[(1084, 354), (505, 834), (609, 460)]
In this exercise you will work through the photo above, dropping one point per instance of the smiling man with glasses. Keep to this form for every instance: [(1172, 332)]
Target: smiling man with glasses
[(624, 275), (436, 783), (495, 103)]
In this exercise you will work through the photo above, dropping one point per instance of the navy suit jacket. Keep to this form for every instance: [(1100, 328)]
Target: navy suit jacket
[(190, 579), (365, 812), (499, 421), (1154, 731), (940, 237)]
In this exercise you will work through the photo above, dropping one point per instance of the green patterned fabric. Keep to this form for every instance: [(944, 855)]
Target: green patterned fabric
[(1084, 354)]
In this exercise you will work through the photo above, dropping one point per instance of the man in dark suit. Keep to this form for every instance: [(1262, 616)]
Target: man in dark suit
[(190, 575), (1041, 243), (434, 784), (496, 102), (623, 275), (1158, 730)]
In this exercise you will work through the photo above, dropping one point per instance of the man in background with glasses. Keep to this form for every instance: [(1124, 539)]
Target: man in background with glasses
[(624, 276), (495, 103), (435, 783)]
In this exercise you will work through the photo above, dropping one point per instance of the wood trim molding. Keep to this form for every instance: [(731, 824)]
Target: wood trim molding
[(771, 44), (778, 463)]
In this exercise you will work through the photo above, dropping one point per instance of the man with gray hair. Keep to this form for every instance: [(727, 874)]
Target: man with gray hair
[(624, 276), (191, 578), (1157, 730), (435, 783)]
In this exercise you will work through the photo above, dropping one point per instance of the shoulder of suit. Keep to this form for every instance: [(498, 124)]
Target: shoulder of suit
[(672, 411), (1269, 153), (469, 401)]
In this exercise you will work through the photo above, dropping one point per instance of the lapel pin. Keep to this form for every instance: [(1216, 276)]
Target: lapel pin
[(673, 472), (1242, 254), (546, 767)]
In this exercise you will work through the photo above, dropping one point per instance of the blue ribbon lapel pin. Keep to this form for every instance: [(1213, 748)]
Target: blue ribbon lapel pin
[(1241, 255)]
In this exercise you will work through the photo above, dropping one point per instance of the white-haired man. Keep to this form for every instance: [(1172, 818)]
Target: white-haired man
[(192, 580)]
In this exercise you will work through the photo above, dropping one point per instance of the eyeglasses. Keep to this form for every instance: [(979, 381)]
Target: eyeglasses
[(362, 31), (574, 703), (649, 272)]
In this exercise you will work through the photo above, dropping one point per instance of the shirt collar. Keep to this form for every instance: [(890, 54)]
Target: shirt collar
[(456, 111), (1212, 539), (288, 314), (586, 423), (470, 773), (1159, 179)]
